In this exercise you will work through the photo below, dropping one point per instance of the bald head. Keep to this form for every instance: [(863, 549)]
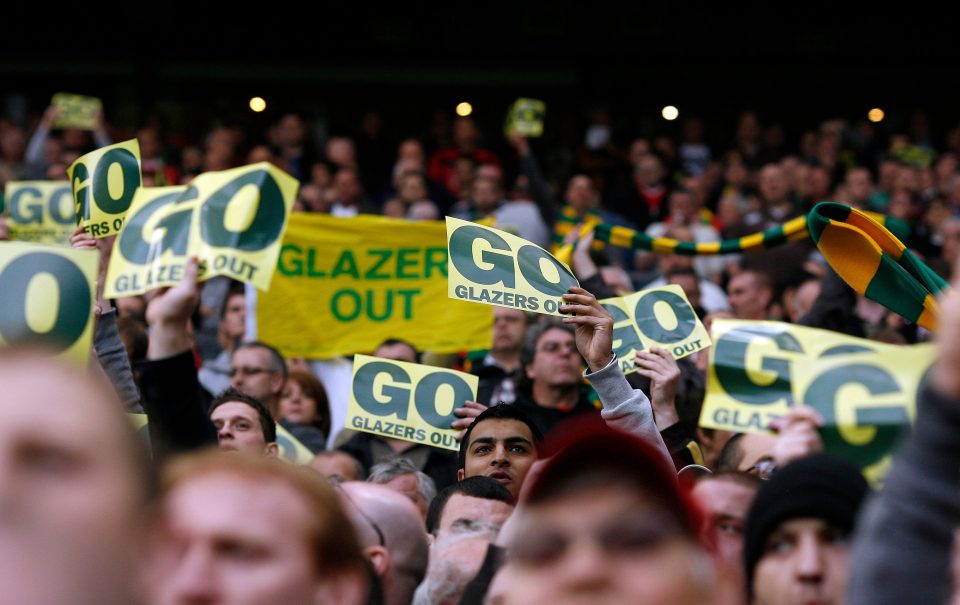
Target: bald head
[(392, 535), (71, 487)]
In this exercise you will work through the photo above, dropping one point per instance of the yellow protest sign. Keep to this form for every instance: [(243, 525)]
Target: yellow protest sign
[(290, 447), (46, 297), (525, 118), (656, 317), (104, 182), (407, 401), (496, 268), (232, 221), (40, 211), (75, 111), (344, 285), (865, 390)]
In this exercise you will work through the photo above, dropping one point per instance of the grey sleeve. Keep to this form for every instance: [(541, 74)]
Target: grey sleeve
[(35, 148), (902, 547), (114, 361), (627, 409)]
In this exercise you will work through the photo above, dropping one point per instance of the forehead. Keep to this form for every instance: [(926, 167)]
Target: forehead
[(406, 483), (723, 495), (500, 429), (42, 399), (508, 314), (250, 355), (397, 352), (235, 409), (235, 299), (803, 525), (555, 335), (461, 506), (225, 504)]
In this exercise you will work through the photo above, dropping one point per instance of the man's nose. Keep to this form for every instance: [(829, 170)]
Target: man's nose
[(195, 578), (809, 565)]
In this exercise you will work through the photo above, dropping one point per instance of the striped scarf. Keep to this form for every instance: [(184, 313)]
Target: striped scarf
[(864, 248), (875, 263)]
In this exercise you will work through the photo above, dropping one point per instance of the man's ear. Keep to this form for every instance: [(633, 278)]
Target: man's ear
[(379, 558), (276, 383), (528, 370), (272, 450), (459, 474)]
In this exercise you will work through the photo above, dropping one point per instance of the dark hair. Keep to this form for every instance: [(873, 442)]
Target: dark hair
[(501, 411), (267, 425), (399, 341), (312, 387), (279, 365), (532, 337), (235, 288), (731, 455), (475, 487)]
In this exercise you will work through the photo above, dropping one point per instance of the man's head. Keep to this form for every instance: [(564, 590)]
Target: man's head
[(605, 522), (233, 317), (746, 452), (795, 544), (550, 355), (397, 350), (259, 371), (750, 293), (347, 189), (501, 444), (403, 477), (725, 498), (581, 194), (243, 530), (391, 535), (485, 193), (337, 465), (683, 207), (74, 482), (473, 502), (773, 184), (455, 559), (243, 424), (509, 327)]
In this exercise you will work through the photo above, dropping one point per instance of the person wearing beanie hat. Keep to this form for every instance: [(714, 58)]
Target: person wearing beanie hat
[(795, 540), (605, 521)]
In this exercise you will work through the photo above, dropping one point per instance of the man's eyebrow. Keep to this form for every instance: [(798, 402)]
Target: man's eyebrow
[(509, 440)]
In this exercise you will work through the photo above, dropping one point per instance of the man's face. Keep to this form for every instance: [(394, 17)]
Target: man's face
[(346, 186), (253, 375), (408, 485), (509, 326), (234, 323), (746, 299), (234, 540), (485, 194), (773, 183), (724, 503), (580, 193), (556, 361), (463, 512), (755, 448), (608, 545), (502, 449), (238, 428), (804, 561), (69, 525)]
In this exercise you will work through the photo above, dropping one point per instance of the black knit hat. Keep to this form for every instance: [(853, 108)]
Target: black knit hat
[(821, 486)]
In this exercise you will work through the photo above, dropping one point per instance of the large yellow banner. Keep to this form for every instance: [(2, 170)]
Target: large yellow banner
[(408, 401), (866, 391), (497, 268), (232, 221), (75, 111), (40, 211), (344, 285), (47, 296), (656, 317), (104, 182)]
